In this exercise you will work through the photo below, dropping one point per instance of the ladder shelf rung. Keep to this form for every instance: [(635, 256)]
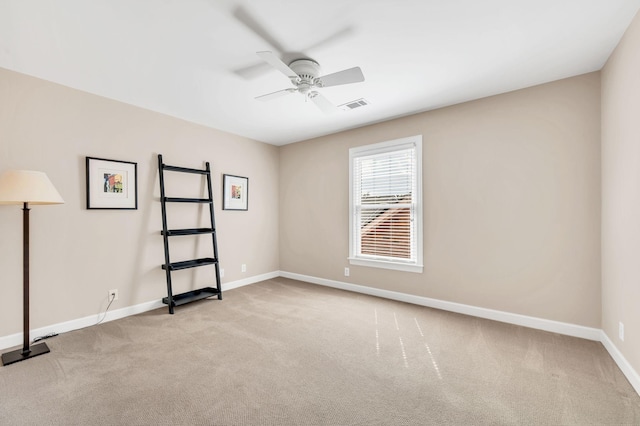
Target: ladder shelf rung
[(187, 200), (186, 264), (193, 231), (191, 296), (184, 169)]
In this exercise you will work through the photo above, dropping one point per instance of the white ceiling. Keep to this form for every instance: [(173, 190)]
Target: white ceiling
[(190, 58)]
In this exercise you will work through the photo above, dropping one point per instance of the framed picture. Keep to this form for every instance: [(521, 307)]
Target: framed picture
[(235, 193), (111, 184)]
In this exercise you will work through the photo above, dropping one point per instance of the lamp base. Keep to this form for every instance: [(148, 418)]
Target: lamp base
[(19, 355)]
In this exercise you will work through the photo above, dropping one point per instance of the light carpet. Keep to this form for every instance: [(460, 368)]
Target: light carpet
[(284, 352)]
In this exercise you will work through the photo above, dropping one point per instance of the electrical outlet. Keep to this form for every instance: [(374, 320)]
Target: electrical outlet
[(621, 331), (221, 272), (243, 268), (346, 272), (113, 294)]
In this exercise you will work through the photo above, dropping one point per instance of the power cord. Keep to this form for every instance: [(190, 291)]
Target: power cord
[(113, 297), (54, 334), (46, 336)]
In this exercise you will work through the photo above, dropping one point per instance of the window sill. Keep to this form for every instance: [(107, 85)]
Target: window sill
[(386, 265)]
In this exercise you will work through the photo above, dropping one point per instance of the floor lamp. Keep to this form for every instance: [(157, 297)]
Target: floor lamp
[(26, 187)]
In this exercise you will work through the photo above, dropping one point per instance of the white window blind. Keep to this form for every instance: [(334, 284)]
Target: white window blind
[(385, 204)]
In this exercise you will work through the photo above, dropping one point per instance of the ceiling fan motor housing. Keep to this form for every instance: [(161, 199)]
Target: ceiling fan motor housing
[(306, 69)]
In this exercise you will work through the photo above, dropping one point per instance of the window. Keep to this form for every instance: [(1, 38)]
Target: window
[(385, 202)]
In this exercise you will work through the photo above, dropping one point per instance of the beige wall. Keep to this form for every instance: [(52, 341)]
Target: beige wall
[(511, 192), (77, 255), (621, 194), (511, 195)]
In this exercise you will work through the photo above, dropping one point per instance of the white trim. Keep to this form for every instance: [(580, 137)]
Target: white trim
[(532, 322), (251, 280), (76, 324), (63, 327), (406, 267), (415, 143), (631, 374), (507, 317)]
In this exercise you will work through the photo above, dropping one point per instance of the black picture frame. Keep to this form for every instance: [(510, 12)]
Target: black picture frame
[(235, 192), (111, 184)]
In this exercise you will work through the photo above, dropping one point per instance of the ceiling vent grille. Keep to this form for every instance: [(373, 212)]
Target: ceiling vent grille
[(358, 103)]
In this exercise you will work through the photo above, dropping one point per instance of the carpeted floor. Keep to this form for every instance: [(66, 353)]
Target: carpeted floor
[(283, 352)]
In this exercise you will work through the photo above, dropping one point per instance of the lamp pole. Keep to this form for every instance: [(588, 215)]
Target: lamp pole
[(26, 187), (27, 350), (25, 278)]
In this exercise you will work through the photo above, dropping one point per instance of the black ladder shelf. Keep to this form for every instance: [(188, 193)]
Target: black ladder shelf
[(173, 300)]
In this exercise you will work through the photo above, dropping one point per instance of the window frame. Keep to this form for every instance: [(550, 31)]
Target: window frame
[(417, 207)]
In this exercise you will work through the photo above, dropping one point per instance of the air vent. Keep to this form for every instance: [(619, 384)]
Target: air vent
[(358, 103)]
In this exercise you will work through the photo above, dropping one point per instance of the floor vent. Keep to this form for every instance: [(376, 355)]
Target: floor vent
[(358, 103)]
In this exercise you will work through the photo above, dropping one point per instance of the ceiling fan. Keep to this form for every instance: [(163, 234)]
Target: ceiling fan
[(250, 21), (305, 78)]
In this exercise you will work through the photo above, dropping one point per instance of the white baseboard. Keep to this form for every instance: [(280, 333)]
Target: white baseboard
[(506, 317), (631, 374), (251, 280), (63, 327)]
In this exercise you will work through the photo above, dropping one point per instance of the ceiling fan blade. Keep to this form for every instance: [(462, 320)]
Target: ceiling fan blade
[(322, 103), (254, 70), (242, 15), (275, 95), (333, 38), (352, 75), (274, 61)]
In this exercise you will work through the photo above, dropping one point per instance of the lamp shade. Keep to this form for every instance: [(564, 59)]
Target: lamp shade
[(26, 186)]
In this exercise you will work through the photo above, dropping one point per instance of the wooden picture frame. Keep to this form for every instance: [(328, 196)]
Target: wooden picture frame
[(111, 184), (235, 190)]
